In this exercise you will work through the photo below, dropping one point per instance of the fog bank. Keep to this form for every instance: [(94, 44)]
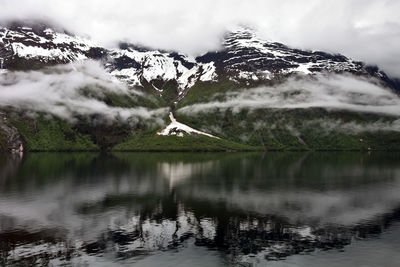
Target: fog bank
[(333, 92), (69, 91)]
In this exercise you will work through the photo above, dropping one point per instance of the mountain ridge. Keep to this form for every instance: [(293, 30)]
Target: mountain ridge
[(244, 57), (246, 66)]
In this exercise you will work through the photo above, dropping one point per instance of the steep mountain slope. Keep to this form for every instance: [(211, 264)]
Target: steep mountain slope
[(37, 45), (23, 47), (244, 57), (140, 66), (219, 93)]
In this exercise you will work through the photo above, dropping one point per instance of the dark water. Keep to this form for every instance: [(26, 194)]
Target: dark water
[(180, 209)]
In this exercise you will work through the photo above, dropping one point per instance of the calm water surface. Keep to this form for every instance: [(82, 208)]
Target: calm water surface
[(204, 209)]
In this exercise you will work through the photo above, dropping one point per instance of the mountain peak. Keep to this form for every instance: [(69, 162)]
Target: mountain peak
[(245, 58)]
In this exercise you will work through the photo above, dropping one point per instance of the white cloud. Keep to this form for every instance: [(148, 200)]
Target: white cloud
[(367, 30), (335, 92), (353, 127), (67, 91)]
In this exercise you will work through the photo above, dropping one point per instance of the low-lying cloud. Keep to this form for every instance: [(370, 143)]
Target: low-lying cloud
[(71, 91), (353, 127), (333, 92), (327, 126)]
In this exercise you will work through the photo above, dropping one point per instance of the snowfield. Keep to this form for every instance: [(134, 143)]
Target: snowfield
[(179, 129)]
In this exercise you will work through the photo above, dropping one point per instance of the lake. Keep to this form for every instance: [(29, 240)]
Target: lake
[(200, 209)]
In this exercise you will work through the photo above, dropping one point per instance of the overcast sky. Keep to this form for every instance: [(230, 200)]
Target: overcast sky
[(367, 30)]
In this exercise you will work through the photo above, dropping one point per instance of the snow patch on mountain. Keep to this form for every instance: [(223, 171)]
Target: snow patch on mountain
[(46, 45), (130, 76), (244, 58), (157, 65), (35, 51), (209, 73), (179, 129), (248, 57)]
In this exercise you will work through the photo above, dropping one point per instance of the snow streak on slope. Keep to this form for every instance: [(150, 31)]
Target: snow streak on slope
[(179, 129)]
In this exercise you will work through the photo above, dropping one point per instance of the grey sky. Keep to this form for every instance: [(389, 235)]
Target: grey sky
[(367, 30)]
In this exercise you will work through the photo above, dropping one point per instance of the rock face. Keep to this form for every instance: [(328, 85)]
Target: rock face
[(246, 57), (243, 58), (10, 139), (141, 66), (35, 46)]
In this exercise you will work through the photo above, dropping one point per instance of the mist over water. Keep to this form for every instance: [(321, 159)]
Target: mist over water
[(219, 209)]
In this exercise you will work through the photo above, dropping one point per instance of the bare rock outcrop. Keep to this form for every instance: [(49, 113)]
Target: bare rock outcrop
[(10, 139)]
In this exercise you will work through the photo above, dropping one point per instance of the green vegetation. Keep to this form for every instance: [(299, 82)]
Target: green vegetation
[(286, 129), (147, 100), (239, 130), (154, 142), (202, 91), (168, 95), (52, 135), (302, 129)]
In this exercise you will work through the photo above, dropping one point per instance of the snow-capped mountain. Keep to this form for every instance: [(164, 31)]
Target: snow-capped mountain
[(243, 58), (247, 57), (35, 46), (135, 65), (305, 102)]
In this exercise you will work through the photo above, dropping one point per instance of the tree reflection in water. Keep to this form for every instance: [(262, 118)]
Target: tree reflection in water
[(57, 207)]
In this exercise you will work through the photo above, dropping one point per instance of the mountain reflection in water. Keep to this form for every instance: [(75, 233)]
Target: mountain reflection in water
[(227, 208)]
